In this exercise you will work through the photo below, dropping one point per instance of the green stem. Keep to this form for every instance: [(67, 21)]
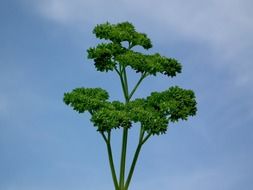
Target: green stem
[(131, 171), (116, 69), (123, 158), (126, 84), (141, 134), (146, 138), (104, 137), (142, 140), (119, 72), (135, 158), (143, 76), (109, 150), (123, 79)]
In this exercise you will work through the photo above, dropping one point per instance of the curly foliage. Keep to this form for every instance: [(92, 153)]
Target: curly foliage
[(150, 119), (153, 113), (175, 103), (122, 32), (114, 115), (107, 56), (151, 64), (86, 99), (104, 54)]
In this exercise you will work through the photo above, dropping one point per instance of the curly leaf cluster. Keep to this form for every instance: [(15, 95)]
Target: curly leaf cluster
[(153, 113), (152, 121), (151, 64), (104, 54), (122, 32), (107, 56), (175, 103), (86, 99), (112, 116)]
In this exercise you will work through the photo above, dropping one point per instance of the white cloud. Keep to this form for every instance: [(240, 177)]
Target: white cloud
[(216, 21), (226, 25), (69, 12)]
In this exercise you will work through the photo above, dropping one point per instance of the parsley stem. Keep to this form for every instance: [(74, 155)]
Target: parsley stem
[(109, 151), (143, 76)]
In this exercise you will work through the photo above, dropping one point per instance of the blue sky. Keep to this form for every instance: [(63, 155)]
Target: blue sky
[(44, 145)]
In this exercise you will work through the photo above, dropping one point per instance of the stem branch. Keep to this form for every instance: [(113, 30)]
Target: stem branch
[(146, 138), (123, 158), (109, 151), (135, 158), (144, 75)]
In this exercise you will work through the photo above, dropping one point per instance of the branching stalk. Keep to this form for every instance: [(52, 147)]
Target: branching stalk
[(109, 150), (119, 72), (135, 158), (123, 158), (126, 84), (143, 76), (95, 100), (146, 138), (141, 134), (104, 137), (131, 171)]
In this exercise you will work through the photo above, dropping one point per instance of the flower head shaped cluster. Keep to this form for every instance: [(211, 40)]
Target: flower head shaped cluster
[(108, 55), (153, 113)]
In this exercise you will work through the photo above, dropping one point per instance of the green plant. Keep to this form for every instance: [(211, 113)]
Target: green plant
[(152, 113)]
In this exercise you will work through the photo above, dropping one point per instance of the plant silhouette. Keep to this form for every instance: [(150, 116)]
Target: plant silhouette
[(152, 114)]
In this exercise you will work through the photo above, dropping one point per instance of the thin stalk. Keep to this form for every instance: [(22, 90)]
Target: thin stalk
[(116, 69), (143, 76), (126, 84), (109, 150), (142, 140), (146, 138), (135, 158), (119, 72), (131, 171), (123, 158), (104, 137), (141, 134)]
